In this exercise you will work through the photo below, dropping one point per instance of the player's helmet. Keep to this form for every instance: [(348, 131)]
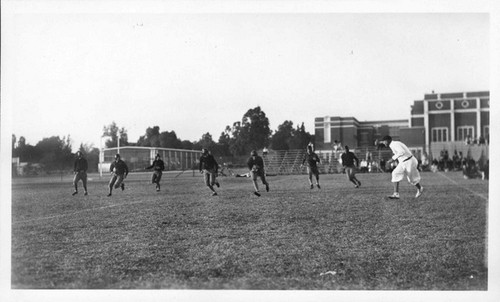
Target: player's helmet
[(387, 138), (253, 153), (117, 156)]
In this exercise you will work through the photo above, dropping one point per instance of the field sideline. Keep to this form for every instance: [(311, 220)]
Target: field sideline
[(334, 238)]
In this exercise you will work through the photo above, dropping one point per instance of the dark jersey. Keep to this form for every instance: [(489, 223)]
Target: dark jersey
[(208, 162), (119, 167), (312, 159), (348, 159), (158, 165), (81, 165), (256, 161)]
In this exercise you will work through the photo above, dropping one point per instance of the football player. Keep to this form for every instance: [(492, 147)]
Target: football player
[(407, 166), (158, 166), (348, 159), (209, 168), (119, 172), (255, 164), (312, 160), (80, 169)]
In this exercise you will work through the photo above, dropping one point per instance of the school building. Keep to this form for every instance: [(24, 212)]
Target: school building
[(439, 119)]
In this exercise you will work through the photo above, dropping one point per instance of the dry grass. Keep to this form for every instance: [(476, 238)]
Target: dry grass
[(183, 238)]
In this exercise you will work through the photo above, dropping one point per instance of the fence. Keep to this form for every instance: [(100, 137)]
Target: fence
[(137, 158)]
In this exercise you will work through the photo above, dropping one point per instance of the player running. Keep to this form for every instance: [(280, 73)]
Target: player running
[(407, 166), (256, 166), (312, 160), (209, 168), (348, 159), (158, 166), (119, 171), (80, 169)]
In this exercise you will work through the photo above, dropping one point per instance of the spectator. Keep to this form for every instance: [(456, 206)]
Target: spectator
[(482, 140), (434, 165), (363, 166), (446, 166), (425, 161), (456, 161), (484, 169), (265, 151), (470, 169)]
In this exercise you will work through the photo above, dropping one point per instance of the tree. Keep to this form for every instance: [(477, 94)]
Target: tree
[(26, 152), (251, 133), (282, 137), (92, 155), (170, 140), (113, 132), (288, 138), (151, 139), (224, 142), (255, 130), (55, 152), (236, 143), (206, 141), (300, 138), (188, 145)]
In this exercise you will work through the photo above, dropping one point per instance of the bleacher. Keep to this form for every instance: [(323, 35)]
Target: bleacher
[(286, 162), (283, 162)]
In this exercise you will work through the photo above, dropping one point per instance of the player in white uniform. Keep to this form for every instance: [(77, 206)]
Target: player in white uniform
[(407, 166)]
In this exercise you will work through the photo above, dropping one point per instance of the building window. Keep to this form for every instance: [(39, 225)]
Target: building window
[(439, 134), (465, 132)]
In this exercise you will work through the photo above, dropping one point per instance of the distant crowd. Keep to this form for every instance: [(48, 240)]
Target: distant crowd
[(457, 162), (475, 141)]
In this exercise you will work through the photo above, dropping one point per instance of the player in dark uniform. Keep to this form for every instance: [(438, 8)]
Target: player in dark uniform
[(348, 159), (209, 167), (119, 171), (80, 169), (158, 166), (256, 166), (312, 160)]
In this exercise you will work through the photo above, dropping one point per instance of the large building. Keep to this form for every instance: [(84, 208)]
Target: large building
[(452, 116), (352, 132), (438, 118)]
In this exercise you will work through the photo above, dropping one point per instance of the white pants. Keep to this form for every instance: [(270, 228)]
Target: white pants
[(407, 168)]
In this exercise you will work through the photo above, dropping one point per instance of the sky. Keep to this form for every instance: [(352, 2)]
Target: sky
[(72, 72)]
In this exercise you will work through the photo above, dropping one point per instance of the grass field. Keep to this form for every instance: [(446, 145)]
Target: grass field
[(334, 238)]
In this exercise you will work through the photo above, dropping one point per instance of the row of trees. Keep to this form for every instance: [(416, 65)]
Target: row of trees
[(54, 153), (251, 132)]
